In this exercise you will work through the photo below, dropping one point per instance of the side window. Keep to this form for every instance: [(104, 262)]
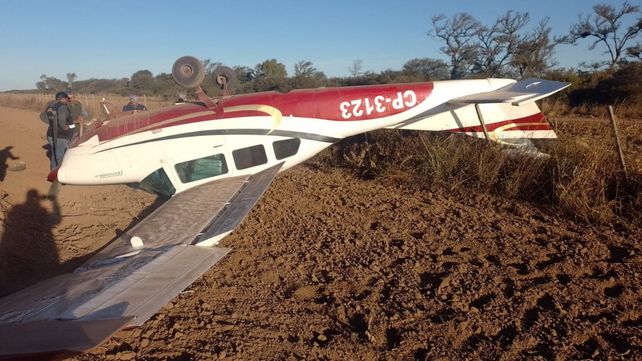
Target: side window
[(286, 148), (158, 182), (249, 157), (201, 168)]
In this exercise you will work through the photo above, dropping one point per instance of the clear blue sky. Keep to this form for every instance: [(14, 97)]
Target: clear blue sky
[(115, 38)]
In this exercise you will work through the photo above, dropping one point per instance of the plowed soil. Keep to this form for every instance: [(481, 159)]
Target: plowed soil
[(328, 266)]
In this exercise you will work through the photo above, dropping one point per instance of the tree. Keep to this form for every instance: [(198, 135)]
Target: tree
[(165, 86), (605, 26), (459, 33), (210, 66), (50, 83), (142, 81), (533, 54), (635, 51), (70, 79), (270, 75), (498, 43), (426, 68), (304, 69), (42, 84), (307, 76), (356, 69)]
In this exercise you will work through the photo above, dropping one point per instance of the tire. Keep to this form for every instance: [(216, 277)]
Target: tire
[(225, 76), (188, 72)]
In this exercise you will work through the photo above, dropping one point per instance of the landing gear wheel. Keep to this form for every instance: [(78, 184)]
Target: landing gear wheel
[(188, 72), (225, 77)]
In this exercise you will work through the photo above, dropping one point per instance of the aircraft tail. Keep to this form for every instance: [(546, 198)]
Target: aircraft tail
[(507, 115)]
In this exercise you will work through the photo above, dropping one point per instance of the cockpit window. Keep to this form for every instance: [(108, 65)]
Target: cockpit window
[(201, 168), (158, 182)]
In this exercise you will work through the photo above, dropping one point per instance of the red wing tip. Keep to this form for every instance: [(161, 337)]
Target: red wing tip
[(53, 175)]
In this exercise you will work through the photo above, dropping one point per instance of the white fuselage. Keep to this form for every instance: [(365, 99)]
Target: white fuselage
[(250, 143)]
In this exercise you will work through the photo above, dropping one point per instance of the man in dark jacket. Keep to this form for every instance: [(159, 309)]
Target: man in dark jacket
[(61, 128), (77, 111)]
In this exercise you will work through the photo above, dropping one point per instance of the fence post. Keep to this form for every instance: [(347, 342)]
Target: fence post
[(618, 146)]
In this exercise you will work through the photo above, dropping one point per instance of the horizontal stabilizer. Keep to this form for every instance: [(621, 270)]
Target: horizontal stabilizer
[(524, 91)]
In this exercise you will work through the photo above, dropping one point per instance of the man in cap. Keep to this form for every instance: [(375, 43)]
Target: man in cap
[(61, 127), (77, 111), (134, 105), (180, 98)]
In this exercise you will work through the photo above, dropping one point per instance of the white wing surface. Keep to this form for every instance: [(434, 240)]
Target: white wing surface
[(127, 282)]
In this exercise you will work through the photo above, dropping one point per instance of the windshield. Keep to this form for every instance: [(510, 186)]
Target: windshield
[(158, 183)]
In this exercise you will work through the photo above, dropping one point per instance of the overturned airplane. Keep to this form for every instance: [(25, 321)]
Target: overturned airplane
[(215, 158)]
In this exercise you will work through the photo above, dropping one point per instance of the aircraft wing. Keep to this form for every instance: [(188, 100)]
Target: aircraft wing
[(127, 282), (527, 90)]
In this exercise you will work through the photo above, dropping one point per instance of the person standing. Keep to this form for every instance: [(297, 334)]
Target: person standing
[(77, 112), (61, 128), (134, 105)]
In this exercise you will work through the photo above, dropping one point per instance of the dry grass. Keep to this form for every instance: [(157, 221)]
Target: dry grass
[(582, 176), (91, 102), (556, 106)]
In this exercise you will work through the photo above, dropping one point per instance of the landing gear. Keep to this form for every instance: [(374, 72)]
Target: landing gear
[(225, 77), (188, 72)]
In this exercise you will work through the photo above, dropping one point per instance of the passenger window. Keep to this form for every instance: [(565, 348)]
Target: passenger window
[(201, 168), (249, 157), (286, 148), (158, 182)]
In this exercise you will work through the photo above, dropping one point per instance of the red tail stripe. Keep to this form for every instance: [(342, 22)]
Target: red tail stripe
[(534, 118)]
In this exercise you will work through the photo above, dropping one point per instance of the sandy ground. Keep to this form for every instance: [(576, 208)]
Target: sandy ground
[(328, 266)]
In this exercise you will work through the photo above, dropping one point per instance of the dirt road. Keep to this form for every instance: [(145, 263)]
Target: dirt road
[(328, 266)]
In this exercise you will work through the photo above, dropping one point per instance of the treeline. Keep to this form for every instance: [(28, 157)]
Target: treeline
[(266, 76), (605, 86)]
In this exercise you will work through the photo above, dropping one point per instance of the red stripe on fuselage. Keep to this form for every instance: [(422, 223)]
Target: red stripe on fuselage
[(339, 104), (335, 104), (525, 123)]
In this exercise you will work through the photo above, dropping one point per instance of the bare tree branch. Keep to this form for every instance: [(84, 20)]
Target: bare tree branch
[(459, 34), (605, 27)]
